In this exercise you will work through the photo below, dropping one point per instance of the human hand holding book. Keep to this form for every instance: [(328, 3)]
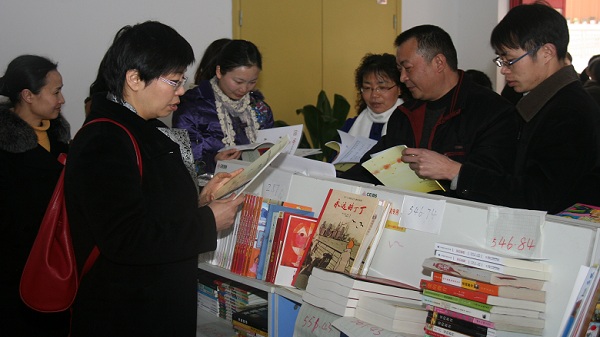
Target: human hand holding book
[(238, 183), (388, 167)]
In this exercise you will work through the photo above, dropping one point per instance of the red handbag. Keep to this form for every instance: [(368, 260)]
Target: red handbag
[(50, 279)]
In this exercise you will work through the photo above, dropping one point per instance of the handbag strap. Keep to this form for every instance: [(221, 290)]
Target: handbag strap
[(89, 262), (135, 144)]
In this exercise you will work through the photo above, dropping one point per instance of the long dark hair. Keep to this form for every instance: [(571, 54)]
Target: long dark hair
[(25, 72), (234, 54)]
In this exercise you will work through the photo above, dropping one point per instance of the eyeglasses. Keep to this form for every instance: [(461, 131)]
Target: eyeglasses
[(379, 90), (501, 63), (174, 84)]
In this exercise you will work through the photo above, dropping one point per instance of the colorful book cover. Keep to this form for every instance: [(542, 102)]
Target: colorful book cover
[(343, 223), (269, 234), (259, 238), (299, 231), (582, 212)]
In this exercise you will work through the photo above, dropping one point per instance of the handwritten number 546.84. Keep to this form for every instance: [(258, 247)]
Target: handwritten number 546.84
[(523, 244)]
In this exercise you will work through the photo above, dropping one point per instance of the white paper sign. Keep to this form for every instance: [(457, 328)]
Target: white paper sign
[(422, 214), (515, 232)]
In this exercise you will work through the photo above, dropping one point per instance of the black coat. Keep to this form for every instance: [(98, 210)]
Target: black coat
[(28, 175), (478, 127), (149, 229), (558, 156)]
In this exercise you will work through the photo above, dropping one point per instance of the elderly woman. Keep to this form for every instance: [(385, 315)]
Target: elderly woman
[(32, 135), (148, 228)]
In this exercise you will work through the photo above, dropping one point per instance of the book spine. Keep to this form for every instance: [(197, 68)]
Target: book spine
[(454, 291), (458, 325), (483, 287), (458, 300), (440, 331), (436, 302), (458, 315), (471, 253), (497, 268)]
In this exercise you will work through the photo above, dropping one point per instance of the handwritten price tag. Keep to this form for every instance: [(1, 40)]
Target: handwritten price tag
[(354, 327), (515, 232), (422, 214), (276, 186), (313, 321)]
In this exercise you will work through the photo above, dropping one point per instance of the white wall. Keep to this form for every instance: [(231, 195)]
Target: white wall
[(76, 33), (469, 23)]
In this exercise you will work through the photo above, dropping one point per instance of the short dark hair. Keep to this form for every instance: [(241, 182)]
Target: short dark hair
[(208, 63), (595, 70), (529, 27), (152, 48), (378, 64), (25, 72), (237, 53), (431, 41)]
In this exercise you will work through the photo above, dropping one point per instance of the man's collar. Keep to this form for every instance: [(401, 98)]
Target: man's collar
[(530, 104)]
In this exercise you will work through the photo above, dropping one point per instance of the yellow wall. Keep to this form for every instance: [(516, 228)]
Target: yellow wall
[(313, 45)]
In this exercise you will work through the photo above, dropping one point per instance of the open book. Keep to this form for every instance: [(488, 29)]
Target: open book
[(265, 138), (392, 171), (239, 182), (351, 149)]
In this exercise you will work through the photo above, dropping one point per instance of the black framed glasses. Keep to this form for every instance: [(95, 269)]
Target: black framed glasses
[(174, 84), (501, 63), (379, 90)]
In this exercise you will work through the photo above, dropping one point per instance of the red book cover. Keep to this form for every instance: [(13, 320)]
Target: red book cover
[(278, 242), (251, 238), (240, 240), (299, 231), (274, 250)]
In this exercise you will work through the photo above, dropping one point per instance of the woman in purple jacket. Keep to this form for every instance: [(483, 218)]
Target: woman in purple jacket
[(223, 109)]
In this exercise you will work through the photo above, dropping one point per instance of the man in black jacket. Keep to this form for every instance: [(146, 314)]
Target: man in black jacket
[(558, 152), (451, 121)]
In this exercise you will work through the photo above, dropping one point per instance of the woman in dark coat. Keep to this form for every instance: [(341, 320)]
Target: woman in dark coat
[(32, 135), (149, 229)]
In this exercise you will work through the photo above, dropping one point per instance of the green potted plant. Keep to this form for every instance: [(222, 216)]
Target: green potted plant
[(323, 120)]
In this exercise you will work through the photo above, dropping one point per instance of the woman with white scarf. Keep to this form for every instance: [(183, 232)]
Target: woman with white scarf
[(377, 80)]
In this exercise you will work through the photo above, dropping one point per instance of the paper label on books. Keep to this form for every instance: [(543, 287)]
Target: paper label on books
[(515, 232), (422, 214), (354, 327)]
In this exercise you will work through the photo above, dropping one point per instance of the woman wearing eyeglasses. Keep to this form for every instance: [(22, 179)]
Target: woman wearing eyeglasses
[(140, 210), (224, 109), (377, 80)]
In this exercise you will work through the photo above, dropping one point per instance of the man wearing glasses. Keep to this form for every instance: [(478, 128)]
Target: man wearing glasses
[(451, 120), (558, 151)]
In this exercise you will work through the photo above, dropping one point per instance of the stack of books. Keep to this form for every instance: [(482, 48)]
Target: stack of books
[(474, 292), (392, 314), (252, 321), (208, 295), (339, 292), (234, 297)]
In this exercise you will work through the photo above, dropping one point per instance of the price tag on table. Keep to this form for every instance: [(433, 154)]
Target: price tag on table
[(515, 232), (313, 321), (422, 214)]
